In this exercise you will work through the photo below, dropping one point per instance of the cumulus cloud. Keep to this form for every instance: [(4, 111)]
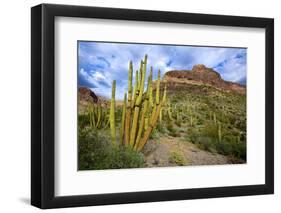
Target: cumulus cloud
[(100, 63)]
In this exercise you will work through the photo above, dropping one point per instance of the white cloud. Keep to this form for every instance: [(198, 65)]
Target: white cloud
[(160, 57)]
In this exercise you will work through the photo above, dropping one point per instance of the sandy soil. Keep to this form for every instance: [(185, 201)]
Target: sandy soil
[(159, 153)]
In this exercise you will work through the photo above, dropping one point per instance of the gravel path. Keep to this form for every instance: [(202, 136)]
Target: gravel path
[(159, 153)]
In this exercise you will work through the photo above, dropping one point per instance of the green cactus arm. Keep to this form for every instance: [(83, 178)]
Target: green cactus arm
[(160, 115), (138, 104), (151, 89), (107, 120), (215, 118), (146, 120), (99, 117), (127, 126), (164, 95), (123, 119), (158, 89), (141, 124), (149, 129), (130, 76), (219, 132), (134, 125), (155, 115), (143, 75), (135, 89), (140, 75), (129, 105), (112, 113)]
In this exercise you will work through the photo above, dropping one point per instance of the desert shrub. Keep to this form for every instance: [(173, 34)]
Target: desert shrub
[(161, 128), (178, 123), (207, 139), (170, 126), (224, 148), (171, 129), (83, 120), (205, 143), (230, 146), (240, 150), (210, 130), (241, 123), (174, 132), (97, 152), (154, 134), (177, 158), (192, 134)]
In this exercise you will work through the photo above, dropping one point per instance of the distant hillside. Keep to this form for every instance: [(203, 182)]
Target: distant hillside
[(200, 74), (87, 96)]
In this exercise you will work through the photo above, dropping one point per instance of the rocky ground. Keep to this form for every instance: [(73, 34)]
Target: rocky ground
[(171, 151)]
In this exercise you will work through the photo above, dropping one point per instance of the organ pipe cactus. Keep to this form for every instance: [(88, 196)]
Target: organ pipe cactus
[(129, 107), (215, 118), (123, 119), (140, 110), (163, 104), (98, 118), (154, 115), (150, 88), (137, 105), (112, 113), (219, 132)]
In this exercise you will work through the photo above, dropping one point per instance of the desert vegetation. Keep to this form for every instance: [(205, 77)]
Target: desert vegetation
[(173, 120)]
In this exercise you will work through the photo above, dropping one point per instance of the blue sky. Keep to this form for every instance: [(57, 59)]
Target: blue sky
[(100, 63)]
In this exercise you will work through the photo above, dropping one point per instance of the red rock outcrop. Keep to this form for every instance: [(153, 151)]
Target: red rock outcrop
[(201, 74)]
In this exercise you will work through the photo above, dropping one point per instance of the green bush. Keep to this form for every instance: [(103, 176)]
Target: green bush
[(154, 134), (207, 139), (97, 152), (230, 146), (177, 158), (83, 121), (161, 128), (172, 131), (206, 143)]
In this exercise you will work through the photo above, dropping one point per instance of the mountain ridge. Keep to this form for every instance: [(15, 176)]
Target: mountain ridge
[(200, 74)]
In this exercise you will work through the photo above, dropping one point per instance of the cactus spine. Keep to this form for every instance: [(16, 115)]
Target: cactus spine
[(112, 113)]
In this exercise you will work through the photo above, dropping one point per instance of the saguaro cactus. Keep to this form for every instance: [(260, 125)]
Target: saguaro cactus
[(112, 113)]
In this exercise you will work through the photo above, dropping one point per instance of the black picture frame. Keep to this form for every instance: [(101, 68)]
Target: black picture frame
[(43, 102)]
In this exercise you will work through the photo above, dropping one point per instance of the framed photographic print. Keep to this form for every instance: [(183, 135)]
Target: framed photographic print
[(139, 106)]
